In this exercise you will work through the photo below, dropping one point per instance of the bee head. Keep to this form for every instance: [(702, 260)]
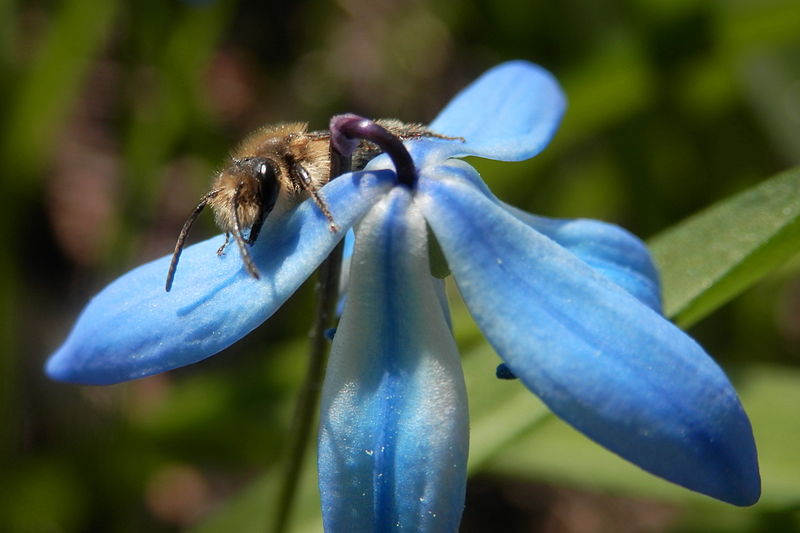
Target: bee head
[(264, 172)]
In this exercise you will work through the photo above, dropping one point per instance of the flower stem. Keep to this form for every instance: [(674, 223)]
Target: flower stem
[(327, 290)]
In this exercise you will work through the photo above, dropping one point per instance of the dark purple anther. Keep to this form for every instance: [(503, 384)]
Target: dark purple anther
[(503, 372), (347, 130)]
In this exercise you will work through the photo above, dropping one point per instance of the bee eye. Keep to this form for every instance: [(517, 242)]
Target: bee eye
[(266, 174), (264, 169)]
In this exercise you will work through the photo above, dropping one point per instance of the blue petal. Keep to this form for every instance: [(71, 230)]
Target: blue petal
[(133, 328), (609, 249), (344, 277), (613, 368), (349, 244), (510, 113), (393, 428)]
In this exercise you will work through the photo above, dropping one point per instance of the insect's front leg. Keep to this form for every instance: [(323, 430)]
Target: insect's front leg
[(221, 249), (302, 181), (237, 234)]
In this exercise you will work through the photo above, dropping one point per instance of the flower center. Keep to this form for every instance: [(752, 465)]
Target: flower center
[(348, 129)]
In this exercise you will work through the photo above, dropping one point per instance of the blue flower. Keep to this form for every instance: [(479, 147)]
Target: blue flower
[(572, 307)]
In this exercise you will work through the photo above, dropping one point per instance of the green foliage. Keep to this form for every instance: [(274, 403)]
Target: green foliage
[(719, 252)]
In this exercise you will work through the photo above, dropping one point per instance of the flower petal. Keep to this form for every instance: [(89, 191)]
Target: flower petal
[(344, 276), (609, 249), (510, 113), (393, 429), (133, 328), (610, 366)]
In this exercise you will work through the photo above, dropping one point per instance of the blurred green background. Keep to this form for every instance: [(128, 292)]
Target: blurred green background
[(116, 114)]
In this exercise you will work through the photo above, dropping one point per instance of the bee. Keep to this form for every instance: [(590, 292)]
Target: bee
[(273, 170)]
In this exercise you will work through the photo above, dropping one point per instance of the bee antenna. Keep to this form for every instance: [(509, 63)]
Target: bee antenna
[(237, 234), (173, 265)]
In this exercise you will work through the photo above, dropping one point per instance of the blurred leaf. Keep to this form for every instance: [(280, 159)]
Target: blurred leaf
[(712, 256), (253, 509), (10, 415), (616, 83), (246, 512), (51, 82), (707, 87), (555, 452), (47, 496), (170, 111), (7, 36), (771, 83), (190, 403), (500, 412), (744, 25), (771, 395), (177, 100), (612, 85)]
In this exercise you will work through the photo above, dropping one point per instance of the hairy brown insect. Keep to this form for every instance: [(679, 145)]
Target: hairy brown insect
[(274, 169)]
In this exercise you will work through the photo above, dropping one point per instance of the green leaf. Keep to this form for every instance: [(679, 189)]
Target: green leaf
[(712, 256)]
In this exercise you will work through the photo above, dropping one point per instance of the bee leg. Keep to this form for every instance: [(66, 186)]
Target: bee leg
[(302, 180), (425, 132), (176, 254), (237, 234), (221, 249)]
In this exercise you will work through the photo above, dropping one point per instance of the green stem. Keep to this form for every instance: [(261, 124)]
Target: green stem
[(327, 290)]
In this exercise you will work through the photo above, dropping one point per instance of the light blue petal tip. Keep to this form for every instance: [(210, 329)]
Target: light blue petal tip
[(510, 113), (133, 328), (58, 368), (613, 368)]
